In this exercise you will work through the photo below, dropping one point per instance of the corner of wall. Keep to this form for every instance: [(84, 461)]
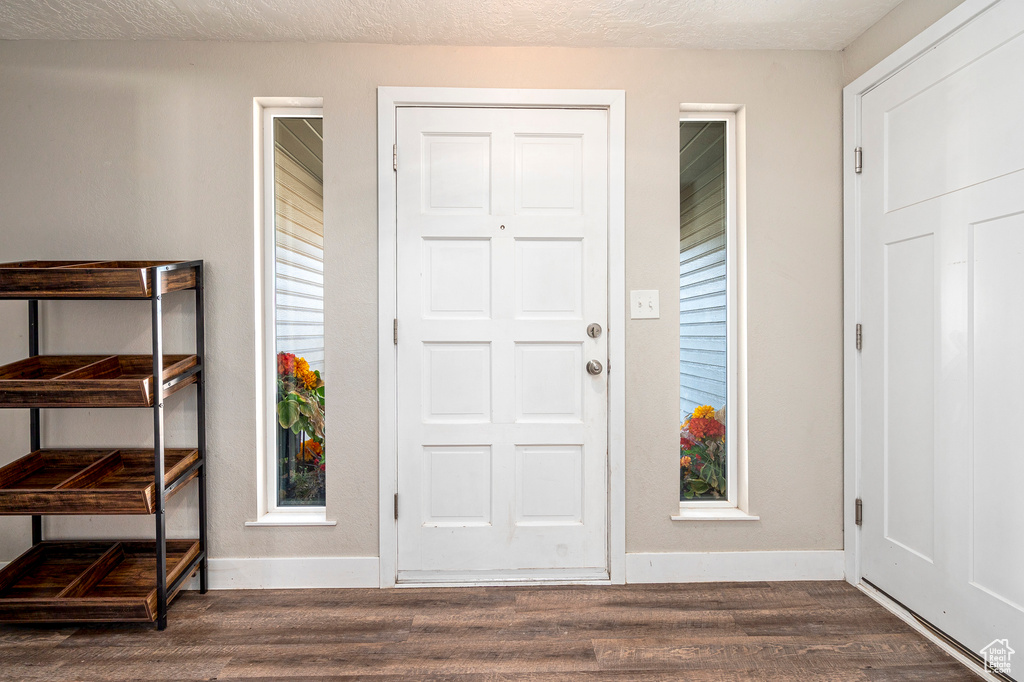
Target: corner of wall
[(891, 32)]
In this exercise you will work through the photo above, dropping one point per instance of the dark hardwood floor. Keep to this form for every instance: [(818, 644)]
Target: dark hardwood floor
[(699, 632)]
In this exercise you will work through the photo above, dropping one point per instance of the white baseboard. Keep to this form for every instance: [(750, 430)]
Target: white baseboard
[(292, 573), (671, 567), (696, 567)]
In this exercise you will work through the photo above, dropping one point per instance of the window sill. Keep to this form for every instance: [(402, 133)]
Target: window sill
[(714, 514), (293, 518)]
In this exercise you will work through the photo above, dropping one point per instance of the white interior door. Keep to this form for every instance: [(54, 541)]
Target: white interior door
[(942, 286), (502, 265)]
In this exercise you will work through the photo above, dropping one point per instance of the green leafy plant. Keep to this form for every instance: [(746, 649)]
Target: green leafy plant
[(301, 397), (300, 409), (702, 456)]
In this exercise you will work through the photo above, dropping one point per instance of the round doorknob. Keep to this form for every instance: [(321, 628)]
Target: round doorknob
[(594, 367)]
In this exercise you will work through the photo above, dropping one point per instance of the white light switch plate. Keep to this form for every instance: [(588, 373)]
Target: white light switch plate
[(643, 305)]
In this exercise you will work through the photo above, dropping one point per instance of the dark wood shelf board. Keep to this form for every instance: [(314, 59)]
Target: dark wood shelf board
[(90, 581), (90, 279), (91, 380), (93, 481)]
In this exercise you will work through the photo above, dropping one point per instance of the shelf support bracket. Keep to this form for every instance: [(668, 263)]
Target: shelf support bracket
[(158, 448), (34, 424), (201, 423)]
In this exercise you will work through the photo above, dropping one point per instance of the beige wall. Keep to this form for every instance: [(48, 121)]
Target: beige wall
[(891, 32), (125, 150)]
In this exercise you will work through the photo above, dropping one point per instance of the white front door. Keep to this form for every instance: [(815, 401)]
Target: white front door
[(502, 266), (942, 286)]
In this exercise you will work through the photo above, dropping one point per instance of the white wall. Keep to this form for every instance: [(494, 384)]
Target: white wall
[(117, 150)]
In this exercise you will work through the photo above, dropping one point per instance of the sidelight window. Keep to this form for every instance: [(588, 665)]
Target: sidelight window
[(707, 286), (294, 295)]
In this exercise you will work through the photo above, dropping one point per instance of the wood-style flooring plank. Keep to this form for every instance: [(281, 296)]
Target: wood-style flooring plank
[(707, 632), (453, 657), (790, 653), (258, 632), (818, 621), (948, 672)]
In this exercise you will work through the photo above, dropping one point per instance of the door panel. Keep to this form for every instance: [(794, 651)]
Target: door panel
[(457, 278), (942, 257), (948, 110), (502, 264), (997, 363), (909, 417)]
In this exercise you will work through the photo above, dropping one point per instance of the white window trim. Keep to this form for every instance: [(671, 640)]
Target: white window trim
[(265, 110), (703, 513), (735, 507)]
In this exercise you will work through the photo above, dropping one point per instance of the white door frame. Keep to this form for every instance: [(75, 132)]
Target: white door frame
[(614, 102), (852, 95)]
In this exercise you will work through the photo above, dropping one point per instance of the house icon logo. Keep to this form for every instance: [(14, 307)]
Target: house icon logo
[(997, 656)]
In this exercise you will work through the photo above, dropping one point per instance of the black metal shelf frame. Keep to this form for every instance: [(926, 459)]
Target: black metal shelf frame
[(159, 388)]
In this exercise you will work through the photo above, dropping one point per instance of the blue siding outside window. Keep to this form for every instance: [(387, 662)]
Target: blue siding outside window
[(702, 266)]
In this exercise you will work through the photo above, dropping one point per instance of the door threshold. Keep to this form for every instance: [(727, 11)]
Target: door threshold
[(497, 578), (958, 651)]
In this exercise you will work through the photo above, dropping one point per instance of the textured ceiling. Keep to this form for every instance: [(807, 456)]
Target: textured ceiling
[(715, 24)]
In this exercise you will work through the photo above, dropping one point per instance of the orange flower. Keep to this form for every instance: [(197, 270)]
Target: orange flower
[(288, 363), (703, 428), (685, 461), (311, 450)]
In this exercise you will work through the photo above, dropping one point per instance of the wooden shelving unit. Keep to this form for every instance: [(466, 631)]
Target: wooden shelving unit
[(101, 580)]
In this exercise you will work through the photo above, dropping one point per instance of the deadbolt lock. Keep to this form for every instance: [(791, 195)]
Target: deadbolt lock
[(594, 330)]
